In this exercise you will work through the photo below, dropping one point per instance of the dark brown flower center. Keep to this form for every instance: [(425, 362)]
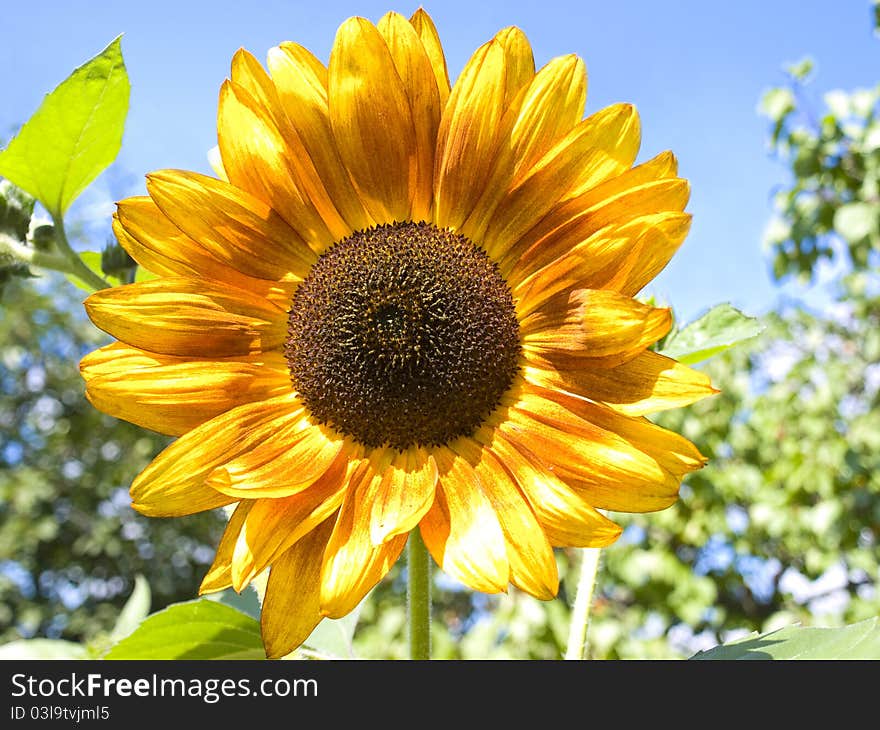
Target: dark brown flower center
[(402, 335)]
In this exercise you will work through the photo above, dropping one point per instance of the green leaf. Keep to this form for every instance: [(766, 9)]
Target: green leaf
[(135, 610), (719, 329), (857, 641), (776, 103), (74, 135), (200, 629), (43, 649), (333, 637), (92, 259)]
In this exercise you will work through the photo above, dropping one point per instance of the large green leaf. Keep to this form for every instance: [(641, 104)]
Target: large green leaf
[(719, 329), (74, 135), (857, 641), (200, 629)]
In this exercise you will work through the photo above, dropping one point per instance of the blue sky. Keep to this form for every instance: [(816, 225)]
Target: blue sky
[(694, 68)]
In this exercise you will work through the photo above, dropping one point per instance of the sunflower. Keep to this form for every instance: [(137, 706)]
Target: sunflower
[(400, 304)]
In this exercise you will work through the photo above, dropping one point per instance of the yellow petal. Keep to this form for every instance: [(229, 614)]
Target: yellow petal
[(468, 133), (461, 530), (427, 32), (576, 219), (301, 82), (608, 471), (543, 111), (566, 517), (273, 525), (602, 145), (233, 226), (173, 396), (372, 122), (420, 87), (650, 255), (291, 607), (174, 483), (532, 563), (162, 248), (188, 317), (600, 328), (352, 563), (403, 495), (293, 460), (605, 260), (219, 575), (646, 384), (672, 451), (258, 159)]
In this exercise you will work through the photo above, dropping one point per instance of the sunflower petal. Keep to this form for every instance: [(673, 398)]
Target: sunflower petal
[(352, 563), (403, 495), (219, 575), (601, 327), (273, 525), (602, 145), (188, 317), (291, 461), (427, 32), (461, 530), (566, 518), (173, 396), (301, 82), (233, 226), (291, 607), (372, 122), (174, 483), (646, 384), (532, 563), (608, 471), (420, 87), (258, 159)]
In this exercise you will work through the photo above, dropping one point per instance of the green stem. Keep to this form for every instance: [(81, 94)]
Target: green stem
[(10, 247), (75, 265), (418, 593), (580, 614)]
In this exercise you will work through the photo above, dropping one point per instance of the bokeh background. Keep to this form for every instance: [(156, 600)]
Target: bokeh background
[(772, 110)]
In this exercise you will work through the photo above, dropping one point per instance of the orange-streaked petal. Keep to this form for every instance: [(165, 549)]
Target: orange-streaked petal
[(174, 483), (372, 122), (291, 607), (646, 384), (673, 452), (605, 260), (602, 145), (258, 159), (566, 517), (174, 395), (188, 317), (233, 226), (291, 461), (352, 563), (219, 575), (420, 87), (543, 111), (608, 471), (471, 122), (427, 32), (301, 82), (403, 495), (273, 525), (532, 563), (159, 246), (601, 327), (461, 530)]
